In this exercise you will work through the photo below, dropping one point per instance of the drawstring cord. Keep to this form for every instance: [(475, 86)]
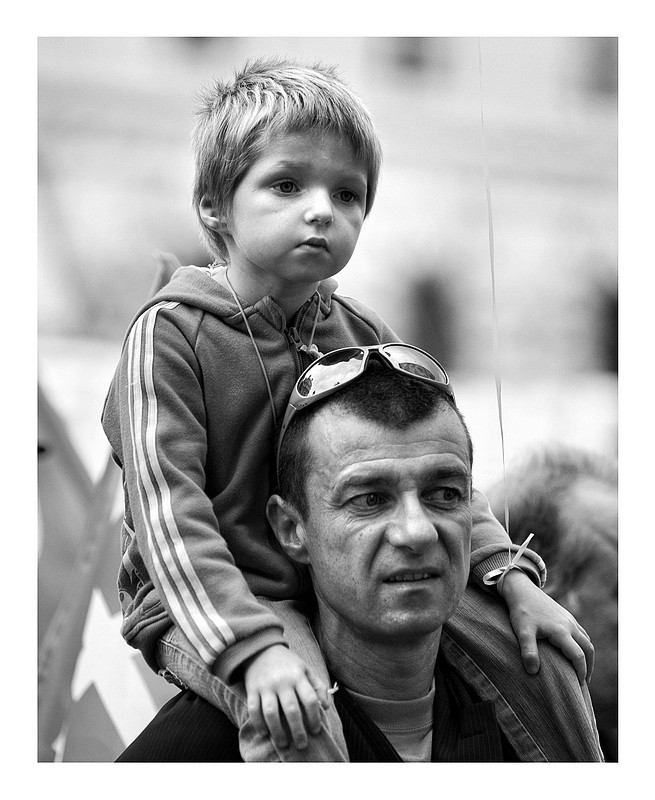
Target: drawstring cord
[(497, 576), (310, 349), (254, 344)]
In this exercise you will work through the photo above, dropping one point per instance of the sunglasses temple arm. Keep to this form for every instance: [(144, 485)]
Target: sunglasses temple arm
[(288, 416)]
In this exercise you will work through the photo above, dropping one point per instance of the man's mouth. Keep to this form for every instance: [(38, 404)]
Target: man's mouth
[(409, 577)]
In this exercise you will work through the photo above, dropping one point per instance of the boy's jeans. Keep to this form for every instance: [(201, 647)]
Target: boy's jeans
[(182, 666)]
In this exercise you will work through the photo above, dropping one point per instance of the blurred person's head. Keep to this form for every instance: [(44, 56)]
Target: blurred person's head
[(568, 498), (268, 102)]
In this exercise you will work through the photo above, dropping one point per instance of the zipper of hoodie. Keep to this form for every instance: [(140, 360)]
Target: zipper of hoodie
[(296, 343)]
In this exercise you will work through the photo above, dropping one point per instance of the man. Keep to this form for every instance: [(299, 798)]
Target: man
[(374, 500)]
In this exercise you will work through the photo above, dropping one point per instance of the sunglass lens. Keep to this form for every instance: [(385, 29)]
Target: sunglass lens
[(415, 363), (330, 371)]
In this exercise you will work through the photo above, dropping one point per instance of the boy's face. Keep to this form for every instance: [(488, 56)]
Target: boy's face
[(297, 213)]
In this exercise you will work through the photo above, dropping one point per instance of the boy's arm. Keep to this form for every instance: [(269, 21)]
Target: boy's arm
[(490, 546), (533, 614), (164, 447)]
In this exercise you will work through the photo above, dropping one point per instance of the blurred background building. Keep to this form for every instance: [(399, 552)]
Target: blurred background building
[(115, 174)]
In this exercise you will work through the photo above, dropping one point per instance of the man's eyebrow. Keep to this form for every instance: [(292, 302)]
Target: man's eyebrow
[(448, 474), (363, 478)]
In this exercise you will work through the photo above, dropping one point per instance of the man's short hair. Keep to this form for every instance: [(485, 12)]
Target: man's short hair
[(270, 96), (379, 395)]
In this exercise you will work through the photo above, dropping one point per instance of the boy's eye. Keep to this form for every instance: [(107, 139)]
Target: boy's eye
[(346, 196), (286, 187)]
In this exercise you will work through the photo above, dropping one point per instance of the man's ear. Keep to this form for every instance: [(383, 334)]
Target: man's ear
[(210, 215), (288, 528)]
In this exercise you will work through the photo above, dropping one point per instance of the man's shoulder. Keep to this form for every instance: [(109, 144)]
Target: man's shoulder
[(186, 728), (547, 716)]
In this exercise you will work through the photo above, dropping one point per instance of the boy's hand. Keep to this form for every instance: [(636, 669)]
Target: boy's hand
[(534, 615), (282, 688)]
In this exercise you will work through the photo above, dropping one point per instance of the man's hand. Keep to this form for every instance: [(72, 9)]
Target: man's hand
[(534, 615), (282, 688)]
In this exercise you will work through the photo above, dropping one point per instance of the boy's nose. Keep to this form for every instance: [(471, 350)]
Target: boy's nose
[(319, 208)]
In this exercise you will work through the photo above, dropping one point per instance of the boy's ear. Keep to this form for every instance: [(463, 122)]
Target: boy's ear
[(210, 215), (288, 528)]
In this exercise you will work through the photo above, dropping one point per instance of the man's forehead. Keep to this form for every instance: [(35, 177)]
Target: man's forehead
[(346, 443)]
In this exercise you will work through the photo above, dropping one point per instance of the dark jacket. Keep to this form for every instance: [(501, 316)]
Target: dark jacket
[(465, 729), (486, 707)]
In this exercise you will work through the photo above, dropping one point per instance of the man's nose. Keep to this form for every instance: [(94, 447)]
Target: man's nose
[(412, 527), (319, 207)]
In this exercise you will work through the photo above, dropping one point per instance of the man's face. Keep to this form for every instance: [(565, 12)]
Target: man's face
[(388, 533)]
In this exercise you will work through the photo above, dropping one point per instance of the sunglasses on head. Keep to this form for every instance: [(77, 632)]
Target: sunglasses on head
[(337, 369)]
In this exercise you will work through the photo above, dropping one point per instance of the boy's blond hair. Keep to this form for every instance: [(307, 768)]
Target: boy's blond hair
[(268, 97)]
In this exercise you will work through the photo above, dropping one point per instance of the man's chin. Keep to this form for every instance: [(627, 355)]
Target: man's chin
[(425, 611), (408, 626)]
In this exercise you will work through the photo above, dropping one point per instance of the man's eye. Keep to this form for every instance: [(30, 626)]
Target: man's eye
[(368, 500), (286, 187), (445, 495)]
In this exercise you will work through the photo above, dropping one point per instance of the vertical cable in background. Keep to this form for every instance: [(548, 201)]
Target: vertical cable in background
[(495, 337)]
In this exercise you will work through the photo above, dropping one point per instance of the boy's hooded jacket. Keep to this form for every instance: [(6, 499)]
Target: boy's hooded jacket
[(189, 421)]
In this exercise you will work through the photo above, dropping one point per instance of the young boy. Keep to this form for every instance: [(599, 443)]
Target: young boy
[(287, 163)]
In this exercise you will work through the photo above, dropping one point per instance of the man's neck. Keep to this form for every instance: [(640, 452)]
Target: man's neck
[(392, 670)]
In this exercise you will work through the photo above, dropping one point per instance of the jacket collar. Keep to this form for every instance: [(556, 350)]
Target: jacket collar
[(465, 728), (195, 286)]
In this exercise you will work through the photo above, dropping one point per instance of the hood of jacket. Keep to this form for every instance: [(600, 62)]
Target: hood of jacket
[(195, 286)]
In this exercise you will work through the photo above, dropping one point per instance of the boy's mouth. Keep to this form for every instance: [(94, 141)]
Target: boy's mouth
[(316, 242)]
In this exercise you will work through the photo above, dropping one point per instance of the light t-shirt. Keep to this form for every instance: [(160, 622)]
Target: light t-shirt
[(407, 724)]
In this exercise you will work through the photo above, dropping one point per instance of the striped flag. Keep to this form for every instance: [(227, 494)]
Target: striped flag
[(95, 693)]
